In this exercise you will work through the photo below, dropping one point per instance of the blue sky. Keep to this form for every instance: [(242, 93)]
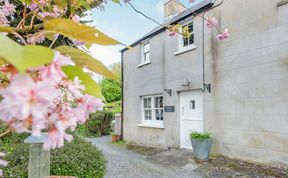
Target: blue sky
[(125, 25)]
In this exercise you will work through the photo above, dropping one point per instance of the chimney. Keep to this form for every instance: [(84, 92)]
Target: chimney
[(171, 9)]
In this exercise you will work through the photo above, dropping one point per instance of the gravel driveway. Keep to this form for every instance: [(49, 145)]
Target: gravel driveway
[(122, 163)]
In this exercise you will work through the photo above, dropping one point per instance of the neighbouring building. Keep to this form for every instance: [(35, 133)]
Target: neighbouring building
[(167, 80)]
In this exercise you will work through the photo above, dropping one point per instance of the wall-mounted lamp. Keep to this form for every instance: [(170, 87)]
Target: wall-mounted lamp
[(206, 87), (186, 83), (169, 91)]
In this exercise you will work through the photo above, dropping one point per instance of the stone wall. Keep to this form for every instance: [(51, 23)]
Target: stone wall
[(247, 111)]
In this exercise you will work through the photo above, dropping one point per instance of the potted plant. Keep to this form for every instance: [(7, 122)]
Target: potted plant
[(201, 143), (115, 137)]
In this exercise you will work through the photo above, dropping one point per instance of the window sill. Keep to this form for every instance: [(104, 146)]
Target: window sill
[(184, 50), (151, 125), (144, 64)]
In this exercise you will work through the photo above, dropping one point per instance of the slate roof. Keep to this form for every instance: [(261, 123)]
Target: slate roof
[(183, 15)]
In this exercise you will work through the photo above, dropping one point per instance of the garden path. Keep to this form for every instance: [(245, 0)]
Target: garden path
[(122, 163)]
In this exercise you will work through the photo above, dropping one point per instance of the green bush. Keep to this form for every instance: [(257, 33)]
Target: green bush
[(111, 90), (99, 123), (200, 136), (78, 158)]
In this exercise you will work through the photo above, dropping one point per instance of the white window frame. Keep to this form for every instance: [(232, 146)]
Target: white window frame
[(181, 47), (153, 123), (143, 53)]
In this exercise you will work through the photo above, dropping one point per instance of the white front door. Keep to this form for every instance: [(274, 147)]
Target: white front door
[(191, 116)]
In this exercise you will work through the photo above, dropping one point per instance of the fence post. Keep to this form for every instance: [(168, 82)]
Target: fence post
[(39, 159), (118, 121)]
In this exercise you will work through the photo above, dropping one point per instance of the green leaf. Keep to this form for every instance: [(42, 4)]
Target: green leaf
[(24, 57), (3, 61), (6, 29), (91, 87), (78, 31), (85, 4), (116, 1), (60, 3), (83, 59)]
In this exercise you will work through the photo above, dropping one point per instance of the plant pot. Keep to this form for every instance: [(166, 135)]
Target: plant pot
[(201, 148), (114, 138)]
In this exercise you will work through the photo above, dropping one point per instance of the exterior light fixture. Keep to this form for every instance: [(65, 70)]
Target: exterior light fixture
[(169, 91), (186, 83), (206, 87)]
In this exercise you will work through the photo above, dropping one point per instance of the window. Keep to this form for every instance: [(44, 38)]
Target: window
[(146, 53), (188, 40), (152, 109), (186, 43)]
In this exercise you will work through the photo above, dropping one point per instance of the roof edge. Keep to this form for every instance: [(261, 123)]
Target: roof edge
[(197, 9)]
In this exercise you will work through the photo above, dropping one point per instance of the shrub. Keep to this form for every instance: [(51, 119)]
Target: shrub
[(200, 136), (111, 90), (99, 123), (78, 158)]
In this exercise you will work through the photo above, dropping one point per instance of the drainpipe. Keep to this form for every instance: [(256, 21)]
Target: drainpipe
[(206, 86), (122, 96)]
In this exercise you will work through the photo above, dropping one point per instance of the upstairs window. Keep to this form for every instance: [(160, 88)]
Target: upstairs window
[(146, 53), (188, 40)]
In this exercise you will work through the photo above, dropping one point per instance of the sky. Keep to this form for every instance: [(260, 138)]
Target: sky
[(124, 25)]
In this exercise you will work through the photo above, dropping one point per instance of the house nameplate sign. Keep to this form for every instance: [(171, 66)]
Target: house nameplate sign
[(169, 108)]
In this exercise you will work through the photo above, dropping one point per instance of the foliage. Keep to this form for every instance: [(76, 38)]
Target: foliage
[(58, 81), (78, 158), (99, 123), (74, 159), (111, 90), (114, 107), (200, 136)]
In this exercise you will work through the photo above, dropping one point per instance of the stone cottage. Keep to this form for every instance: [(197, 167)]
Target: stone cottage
[(237, 89)]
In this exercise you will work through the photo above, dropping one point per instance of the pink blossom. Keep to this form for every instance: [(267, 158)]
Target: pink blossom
[(223, 35), (8, 9), (42, 2), (76, 88), (172, 33), (3, 19), (33, 7), (78, 43), (26, 101), (43, 15), (56, 139), (89, 104), (76, 18), (212, 22), (37, 38), (53, 71)]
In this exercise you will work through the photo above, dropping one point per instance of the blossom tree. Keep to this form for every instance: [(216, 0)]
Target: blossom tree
[(46, 82)]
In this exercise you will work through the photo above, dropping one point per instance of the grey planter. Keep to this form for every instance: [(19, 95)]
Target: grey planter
[(201, 148)]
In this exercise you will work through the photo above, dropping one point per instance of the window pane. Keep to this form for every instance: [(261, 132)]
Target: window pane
[(147, 102), (147, 114), (146, 56), (190, 40), (158, 102), (159, 114)]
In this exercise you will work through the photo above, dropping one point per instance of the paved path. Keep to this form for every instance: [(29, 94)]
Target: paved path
[(122, 163)]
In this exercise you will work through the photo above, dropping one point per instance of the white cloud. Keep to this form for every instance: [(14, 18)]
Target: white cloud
[(106, 54)]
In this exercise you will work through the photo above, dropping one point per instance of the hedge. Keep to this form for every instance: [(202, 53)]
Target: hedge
[(78, 158)]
